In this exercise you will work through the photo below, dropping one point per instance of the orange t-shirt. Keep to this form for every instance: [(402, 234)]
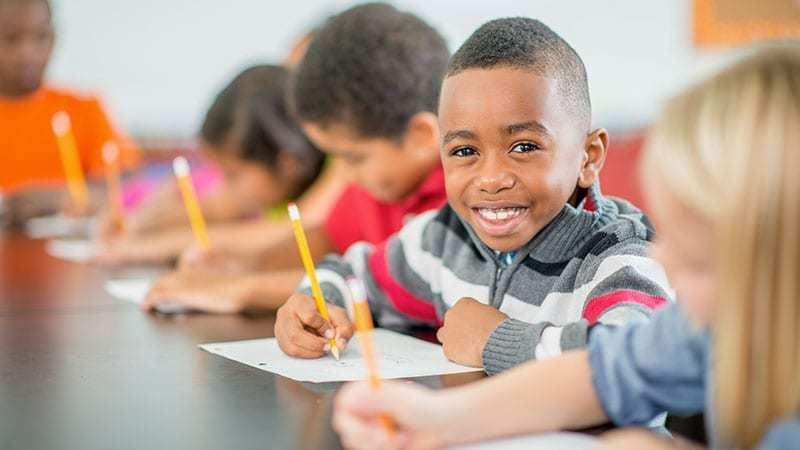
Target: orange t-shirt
[(28, 148)]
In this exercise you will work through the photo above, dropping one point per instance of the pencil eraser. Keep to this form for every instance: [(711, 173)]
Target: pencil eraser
[(110, 152), (180, 166), (294, 213), (61, 123)]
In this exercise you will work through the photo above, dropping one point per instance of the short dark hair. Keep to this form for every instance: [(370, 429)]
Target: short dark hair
[(528, 44), (372, 68), (252, 111)]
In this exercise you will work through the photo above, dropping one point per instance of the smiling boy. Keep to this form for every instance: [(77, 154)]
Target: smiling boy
[(528, 254)]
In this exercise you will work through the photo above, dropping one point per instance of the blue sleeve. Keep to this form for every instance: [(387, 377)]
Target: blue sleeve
[(782, 436), (645, 368)]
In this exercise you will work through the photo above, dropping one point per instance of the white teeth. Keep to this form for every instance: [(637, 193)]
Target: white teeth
[(499, 213)]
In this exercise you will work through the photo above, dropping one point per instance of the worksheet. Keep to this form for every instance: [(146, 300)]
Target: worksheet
[(134, 290), (73, 250), (59, 225), (399, 356), (546, 441)]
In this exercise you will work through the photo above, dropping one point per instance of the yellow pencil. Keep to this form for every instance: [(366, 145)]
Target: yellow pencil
[(364, 327), (181, 168), (76, 183), (308, 263), (111, 160)]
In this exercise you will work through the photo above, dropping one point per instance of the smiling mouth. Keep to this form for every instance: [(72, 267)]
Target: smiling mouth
[(499, 221)]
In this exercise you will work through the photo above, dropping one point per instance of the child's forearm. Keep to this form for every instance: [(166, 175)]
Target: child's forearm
[(319, 199), (224, 205), (162, 209), (282, 253), (548, 395), (268, 291)]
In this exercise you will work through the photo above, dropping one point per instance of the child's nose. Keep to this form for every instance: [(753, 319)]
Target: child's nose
[(494, 178)]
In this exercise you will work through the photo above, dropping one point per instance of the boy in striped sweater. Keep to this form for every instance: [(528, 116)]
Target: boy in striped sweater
[(527, 255)]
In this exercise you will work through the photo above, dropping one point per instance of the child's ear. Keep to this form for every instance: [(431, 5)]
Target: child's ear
[(594, 156), (422, 134)]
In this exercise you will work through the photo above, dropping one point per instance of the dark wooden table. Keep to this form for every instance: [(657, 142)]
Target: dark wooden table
[(82, 370)]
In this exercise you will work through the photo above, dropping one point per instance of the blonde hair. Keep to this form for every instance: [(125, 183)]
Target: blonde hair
[(729, 149)]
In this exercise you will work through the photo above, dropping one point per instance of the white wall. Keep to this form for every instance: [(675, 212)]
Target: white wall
[(159, 62)]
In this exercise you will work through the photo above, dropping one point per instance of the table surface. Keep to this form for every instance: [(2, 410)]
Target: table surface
[(80, 369)]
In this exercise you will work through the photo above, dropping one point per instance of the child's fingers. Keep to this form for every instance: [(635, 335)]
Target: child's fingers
[(360, 433), (154, 296), (296, 341), (309, 316), (360, 398), (341, 323)]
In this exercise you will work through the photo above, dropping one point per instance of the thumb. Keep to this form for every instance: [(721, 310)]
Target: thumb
[(153, 297), (362, 399)]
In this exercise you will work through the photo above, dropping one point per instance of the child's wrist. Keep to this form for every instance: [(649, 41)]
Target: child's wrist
[(246, 297), (464, 421), (454, 411)]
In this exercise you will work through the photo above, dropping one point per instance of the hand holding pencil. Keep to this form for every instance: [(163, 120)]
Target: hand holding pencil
[(306, 326), (421, 418), (181, 168)]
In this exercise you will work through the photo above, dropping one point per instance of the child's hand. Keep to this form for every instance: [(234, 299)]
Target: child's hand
[(158, 248), (418, 413), (218, 294), (132, 250), (303, 333), (214, 260), (109, 226), (467, 327)]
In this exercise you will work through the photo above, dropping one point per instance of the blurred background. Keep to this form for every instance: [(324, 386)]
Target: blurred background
[(158, 63)]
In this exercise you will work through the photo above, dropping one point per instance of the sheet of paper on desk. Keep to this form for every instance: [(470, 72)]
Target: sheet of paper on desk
[(399, 356), (546, 441), (74, 250), (135, 290), (59, 225)]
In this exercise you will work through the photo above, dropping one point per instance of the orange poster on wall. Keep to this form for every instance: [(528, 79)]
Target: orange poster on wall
[(719, 23)]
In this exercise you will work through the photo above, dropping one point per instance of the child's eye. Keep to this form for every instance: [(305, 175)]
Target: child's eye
[(463, 152), (525, 147)]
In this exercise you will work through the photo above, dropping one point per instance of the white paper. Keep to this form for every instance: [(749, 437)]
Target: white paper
[(74, 250), (59, 225), (399, 356), (547, 441), (135, 290)]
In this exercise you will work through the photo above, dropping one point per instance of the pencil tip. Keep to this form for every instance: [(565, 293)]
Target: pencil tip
[(335, 352)]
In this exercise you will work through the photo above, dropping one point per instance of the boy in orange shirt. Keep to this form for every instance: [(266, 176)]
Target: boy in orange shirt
[(31, 171)]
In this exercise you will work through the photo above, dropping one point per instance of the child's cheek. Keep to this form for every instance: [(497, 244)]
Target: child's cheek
[(696, 295)]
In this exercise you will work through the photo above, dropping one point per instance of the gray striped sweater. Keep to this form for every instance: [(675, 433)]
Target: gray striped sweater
[(588, 266)]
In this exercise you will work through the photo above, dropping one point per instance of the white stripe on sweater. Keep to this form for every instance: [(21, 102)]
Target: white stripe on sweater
[(557, 308), (549, 344), (329, 276), (431, 269), (561, 308)]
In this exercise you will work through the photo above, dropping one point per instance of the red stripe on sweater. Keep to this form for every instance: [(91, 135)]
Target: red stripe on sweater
[(598, 306), (404, 301)]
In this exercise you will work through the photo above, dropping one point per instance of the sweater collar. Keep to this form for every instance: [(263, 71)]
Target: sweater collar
[(566, 234)]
